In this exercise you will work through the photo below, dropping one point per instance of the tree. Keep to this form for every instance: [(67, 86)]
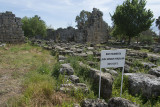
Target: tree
[(117, 34), (33, 26), (131, 18), (158, 22), (82, 19)]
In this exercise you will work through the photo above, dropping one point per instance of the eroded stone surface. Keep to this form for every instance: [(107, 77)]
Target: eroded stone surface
[(68, 88), (120, 102), (66, 69), (96, 31), (74, 78), (93, 103), (155, 71), (145, 84), (106, 80), (11, 28)]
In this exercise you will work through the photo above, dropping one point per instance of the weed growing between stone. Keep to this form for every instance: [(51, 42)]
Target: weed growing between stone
[(41, 85), (138, 99), (39, 90), (83, 74), (80, 72)]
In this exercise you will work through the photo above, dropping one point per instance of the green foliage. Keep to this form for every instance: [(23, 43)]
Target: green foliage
[(66, 104), (80, 94), (117, 83), (117, 33), (149, 32), (117, 86), (82, 19), (80, 71), (33, 26), (55, 71), (38, 90), (146, 39), (44, 69), (138, 99), (131, 18), (16, 49), (137, 63), (54, 53)]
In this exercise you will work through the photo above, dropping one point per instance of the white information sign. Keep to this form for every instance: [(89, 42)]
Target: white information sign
[(112, 58)]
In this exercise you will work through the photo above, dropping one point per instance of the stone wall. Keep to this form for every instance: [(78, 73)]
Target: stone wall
[(97, 28), (50, 34), (10, 28), (69, 34), (95, 32)]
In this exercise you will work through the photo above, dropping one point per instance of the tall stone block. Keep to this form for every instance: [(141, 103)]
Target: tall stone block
[(97, 28), (11, 28)]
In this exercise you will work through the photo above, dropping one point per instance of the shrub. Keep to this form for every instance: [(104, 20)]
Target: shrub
[(55, 71), (44, 69), (54, 53), (137, 63), (33, 26), (146, 39)]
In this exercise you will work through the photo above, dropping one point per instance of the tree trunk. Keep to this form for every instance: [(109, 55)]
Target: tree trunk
[(129, 40)]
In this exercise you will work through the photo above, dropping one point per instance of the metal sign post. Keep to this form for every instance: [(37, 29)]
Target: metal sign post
[(122, 81), (100, 83), (112, 59)]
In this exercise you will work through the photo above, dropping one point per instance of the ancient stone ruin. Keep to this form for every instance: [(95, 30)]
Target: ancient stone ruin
[(97, 28), (95, 31), (10, 28)]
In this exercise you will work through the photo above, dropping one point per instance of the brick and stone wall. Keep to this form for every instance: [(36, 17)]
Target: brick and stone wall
[(95, 32), (10, 28), (97, 28)]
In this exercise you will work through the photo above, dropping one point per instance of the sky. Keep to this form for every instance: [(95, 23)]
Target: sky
[(62, 13)]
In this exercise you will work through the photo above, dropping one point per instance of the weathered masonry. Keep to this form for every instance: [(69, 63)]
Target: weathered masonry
[(95, 32), (10, 28)]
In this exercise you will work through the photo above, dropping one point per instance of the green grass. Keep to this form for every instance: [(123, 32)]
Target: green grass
[(81, 72), (39, 73), (84, 77), (144, 50), (32, 66), (138, 99), (24, 56), (38, 90)]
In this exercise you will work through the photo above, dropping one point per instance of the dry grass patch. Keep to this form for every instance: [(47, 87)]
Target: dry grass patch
[(15, 62)]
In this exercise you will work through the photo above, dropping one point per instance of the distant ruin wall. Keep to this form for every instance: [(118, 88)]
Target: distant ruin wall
[(10, 28), (69, 34), (95, 32)]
